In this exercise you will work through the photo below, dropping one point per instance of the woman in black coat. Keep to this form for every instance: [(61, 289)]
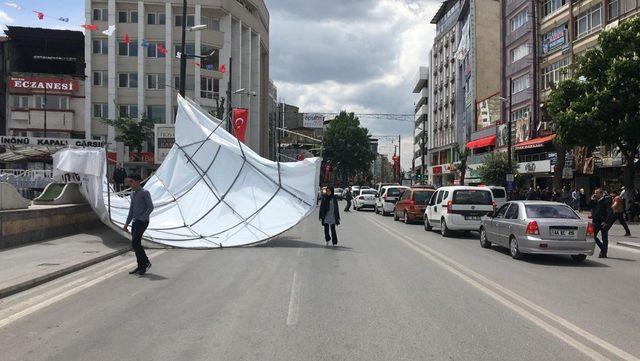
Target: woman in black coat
[(329, 215)]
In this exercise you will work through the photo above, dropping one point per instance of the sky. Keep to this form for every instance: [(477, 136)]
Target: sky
[(325, 55)]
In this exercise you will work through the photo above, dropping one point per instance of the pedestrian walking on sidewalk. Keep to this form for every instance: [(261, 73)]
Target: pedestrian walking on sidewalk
[(575, 199), (348, 197), (139, 212), (330, 216), (119, 175), (601, 212), (618, 213)]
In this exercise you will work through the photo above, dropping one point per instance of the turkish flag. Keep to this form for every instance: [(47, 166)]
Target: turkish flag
[(240, 120), (90, 27), (126, 39), (222, 68)]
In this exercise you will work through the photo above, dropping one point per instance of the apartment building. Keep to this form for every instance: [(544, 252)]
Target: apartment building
[(443, 126), (135, 71), (421, 119)]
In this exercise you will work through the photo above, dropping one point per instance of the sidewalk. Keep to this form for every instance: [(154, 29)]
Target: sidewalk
[(616, 233), (31, 265)]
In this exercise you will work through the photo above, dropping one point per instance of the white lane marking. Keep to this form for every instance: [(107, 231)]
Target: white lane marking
[(294, 301), (299, 252), (441, 259), (28, 307), (624, 248)]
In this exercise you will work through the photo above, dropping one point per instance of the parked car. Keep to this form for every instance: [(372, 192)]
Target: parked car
[(499, 195), (387, 197), (411, 205), (378, 187), (339, 193), (538, 227), (458, 208), (366, 199)]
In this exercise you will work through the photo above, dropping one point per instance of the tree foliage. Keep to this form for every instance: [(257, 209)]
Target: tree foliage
[(463, 156), (131, 132), (347, 146), (604, 102), (495, 168)]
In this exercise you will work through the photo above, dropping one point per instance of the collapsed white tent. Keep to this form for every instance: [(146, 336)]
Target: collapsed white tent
[(211, 190)]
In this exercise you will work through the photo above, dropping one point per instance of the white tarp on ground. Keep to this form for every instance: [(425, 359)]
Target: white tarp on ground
[(211, 191)]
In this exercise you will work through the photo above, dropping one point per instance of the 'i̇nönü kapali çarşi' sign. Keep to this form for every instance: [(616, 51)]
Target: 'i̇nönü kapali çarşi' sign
[(48, 142)]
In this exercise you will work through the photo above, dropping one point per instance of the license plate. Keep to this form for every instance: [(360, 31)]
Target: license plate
[(472, 218), (563, 232)]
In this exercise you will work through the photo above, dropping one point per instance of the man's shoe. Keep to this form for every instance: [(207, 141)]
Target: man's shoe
[(627, 235), (326, 243), (142, 271), (602, 255), (134, 271), (148, 265)]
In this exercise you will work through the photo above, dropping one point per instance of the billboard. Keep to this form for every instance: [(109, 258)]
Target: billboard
[(489, 112), (503, 136), (165, 135), (56, 85), (312, 120)]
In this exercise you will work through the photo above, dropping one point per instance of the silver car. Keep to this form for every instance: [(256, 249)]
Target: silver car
[(538, 227)]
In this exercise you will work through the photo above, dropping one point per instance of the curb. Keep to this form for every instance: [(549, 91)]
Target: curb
[(23, 286), (634, 245)]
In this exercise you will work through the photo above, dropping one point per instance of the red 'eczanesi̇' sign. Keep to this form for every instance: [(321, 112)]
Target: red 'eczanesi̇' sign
[(44, 84)]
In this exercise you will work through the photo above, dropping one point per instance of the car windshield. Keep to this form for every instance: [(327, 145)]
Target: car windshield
[(550, 211), (422, 196), (367, 191), (394, 192), (472, 196), (498, 193)]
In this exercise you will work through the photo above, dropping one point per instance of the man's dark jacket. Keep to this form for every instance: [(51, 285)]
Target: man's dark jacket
[(324, 208), (601, 209)]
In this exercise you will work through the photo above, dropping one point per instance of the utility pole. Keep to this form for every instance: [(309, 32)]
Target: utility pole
[(229, 95), (399, 161), (509, 124), (44, 107), (424, 147), (183, 58)]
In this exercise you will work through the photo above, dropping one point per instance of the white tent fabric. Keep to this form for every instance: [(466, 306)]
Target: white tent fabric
[(211, 190)]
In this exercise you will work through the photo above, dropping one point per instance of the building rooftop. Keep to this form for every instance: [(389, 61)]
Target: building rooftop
[(442, 10), (421, 78)]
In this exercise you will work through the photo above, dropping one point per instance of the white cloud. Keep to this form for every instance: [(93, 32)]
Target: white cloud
[(5, 19)]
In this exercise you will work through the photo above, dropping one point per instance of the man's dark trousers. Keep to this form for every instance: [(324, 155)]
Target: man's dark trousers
[(603, 228), (334, 236), (137, 230), (346, 209)]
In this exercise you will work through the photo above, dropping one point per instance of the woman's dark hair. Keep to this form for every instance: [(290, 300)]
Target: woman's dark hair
[(333, 192)]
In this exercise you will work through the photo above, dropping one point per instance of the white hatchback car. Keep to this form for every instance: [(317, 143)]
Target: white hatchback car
[(458, 208), (387, 198)]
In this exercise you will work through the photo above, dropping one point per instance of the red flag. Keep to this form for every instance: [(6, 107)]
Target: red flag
[(90, 27), (126, 39), (161, 49), (39, 15), (240, 120), (197, 64), (222, 68)]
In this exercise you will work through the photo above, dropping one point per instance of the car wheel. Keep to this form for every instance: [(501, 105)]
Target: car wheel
[(406, 218), (395, 216), (375, 209), (384, 214), (513, 248), (578, 257), (444, 230), (484, 241), (427, 225)]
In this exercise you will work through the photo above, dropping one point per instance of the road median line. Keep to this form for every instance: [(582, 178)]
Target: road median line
[(511, 300)]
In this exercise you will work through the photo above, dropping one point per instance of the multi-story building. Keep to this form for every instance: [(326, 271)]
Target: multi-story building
[(443, 138), (478, 85), (42, 92), (421, 118), (135, 71)]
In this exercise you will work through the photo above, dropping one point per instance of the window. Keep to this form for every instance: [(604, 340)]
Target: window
[(20, 102), (128, 80), (189, 48), (554, 73), (520, 83), (100, 46), (99, 78), (519, 52), (520, 19), (156, 113), (127, 16), (551, 6), (152, 50), (215, 24), (613, 9), (100, 110), (190, 20), (156, 18), (204, 21), (100, 15), (129, 111), (211, 62), (162, 18), (554, 38), (130, 49), (522, 113), (501, 212), (627, 6), (209, 88), (59, 102), (513, 211), (189, 85), (550, 211), (472, 196), (439, 197), (588, 22), (155, 82)]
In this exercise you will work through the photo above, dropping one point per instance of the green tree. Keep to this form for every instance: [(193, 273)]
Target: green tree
[(463, 156), (347, 146), (608, 100), (495, 168), (131, 132)]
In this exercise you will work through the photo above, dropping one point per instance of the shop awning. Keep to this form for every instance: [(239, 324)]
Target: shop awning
[(535, 142), (482, 142)]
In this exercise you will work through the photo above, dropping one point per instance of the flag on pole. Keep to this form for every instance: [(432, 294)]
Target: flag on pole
[(90, 27), (161, 49), (110, 30), (144, 43), (39, 15), (209, 66), (222, 68), (126, 39), (66, 20), (240, 120)]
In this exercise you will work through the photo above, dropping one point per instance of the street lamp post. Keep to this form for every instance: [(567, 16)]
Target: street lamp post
[(183, 58), (510, 102)]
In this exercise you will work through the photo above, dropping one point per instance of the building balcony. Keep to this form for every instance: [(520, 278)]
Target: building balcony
[(423, 110), (420, 80)]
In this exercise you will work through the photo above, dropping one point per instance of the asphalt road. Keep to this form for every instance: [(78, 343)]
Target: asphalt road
[(389, 292)]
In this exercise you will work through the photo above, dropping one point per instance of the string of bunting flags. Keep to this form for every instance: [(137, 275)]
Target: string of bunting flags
[(111, 30)]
